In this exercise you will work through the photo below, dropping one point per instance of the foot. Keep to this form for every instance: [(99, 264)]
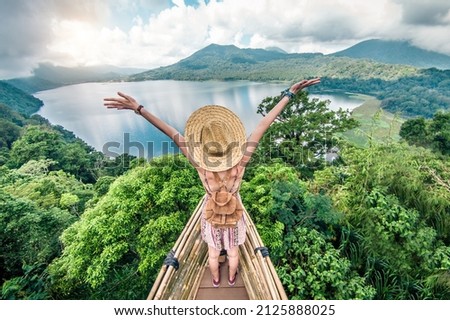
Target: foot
[(216, 283), (232, 282)]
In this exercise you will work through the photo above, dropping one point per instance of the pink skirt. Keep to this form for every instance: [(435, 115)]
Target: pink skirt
[(223, 238)]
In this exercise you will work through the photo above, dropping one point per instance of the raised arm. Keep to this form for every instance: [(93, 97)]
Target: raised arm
[(265, 123), (126, 102)]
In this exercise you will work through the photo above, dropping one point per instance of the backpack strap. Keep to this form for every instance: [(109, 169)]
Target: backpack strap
[(234, 182), (223, 182), (205, 183)]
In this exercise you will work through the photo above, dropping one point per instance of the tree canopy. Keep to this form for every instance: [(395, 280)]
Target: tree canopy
[(432, 133), (303, 133)]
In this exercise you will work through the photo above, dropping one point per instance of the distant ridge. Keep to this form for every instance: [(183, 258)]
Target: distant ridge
[(235, 54), (276, 49), (47, 76), (386, 60), (228, 62), (396, 52)]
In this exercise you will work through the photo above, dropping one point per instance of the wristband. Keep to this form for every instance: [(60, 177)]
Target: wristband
[(287, 93), (138, 110)]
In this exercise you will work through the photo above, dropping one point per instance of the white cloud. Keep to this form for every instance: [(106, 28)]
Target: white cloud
[(423, 12), (434, 38), (153, 33)]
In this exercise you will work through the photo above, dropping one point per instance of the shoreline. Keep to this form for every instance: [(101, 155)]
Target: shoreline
[(376, 124)]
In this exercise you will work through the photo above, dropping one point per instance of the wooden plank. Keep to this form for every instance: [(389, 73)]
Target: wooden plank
[(222, 294), (206, 291)]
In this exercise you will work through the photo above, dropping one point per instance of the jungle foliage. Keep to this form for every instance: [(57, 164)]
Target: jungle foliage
[(373, 224), (429, 133)]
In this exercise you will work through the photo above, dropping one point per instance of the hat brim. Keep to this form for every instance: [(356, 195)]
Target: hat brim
[(237, 138)]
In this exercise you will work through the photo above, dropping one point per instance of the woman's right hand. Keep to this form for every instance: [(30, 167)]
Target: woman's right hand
[(123, 102), (303, 84)]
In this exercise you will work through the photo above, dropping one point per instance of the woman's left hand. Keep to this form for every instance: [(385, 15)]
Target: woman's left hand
[(123, 102)]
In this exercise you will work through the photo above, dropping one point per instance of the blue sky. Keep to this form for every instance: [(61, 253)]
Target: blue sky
[(152, 33), (123, 12)]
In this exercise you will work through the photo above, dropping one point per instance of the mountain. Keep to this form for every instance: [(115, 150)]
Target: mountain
[(47, 76), (219, 62), (276, 49), (67, 75), (234, 54), (32, 84), (396, 52)]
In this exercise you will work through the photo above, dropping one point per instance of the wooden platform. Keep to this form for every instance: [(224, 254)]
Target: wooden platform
[(185, 275), (206, 291)]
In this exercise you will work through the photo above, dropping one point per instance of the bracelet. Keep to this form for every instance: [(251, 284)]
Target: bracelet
[(138, 110), (287, 93)]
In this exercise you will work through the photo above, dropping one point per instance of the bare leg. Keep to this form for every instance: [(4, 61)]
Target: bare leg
[(233, 261), (213, 259)]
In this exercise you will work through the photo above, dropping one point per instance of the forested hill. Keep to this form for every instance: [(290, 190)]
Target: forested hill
[(18, 100), (26, 136), (396, 52), (216, 62)]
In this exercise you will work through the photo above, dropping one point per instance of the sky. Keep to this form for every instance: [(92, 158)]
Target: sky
[(152, 33)]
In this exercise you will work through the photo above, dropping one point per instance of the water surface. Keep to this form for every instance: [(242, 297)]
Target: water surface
[(79, 108)]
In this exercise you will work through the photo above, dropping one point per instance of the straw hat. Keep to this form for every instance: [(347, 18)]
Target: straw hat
[(215, 138)]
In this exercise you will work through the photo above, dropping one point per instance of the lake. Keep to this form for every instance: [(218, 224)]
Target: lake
[(79, 108)]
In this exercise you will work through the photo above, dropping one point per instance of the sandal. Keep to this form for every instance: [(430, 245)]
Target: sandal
[(232, 282), (215, 283)]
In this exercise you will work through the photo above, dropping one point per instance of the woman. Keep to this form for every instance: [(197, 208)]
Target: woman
[(216, 145)]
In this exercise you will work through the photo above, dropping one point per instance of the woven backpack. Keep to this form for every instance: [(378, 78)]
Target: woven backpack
[(223, 208)]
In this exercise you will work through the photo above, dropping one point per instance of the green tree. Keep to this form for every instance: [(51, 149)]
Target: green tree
[(31, 286), (433, 133), (440, 130), (303, 133), (415, 131), (47, 189), (279, 202), (36, 143), (270, 197), (397, 216), (28, 234), (116, 248), (313, 269), (68, 153), (9, 132)]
